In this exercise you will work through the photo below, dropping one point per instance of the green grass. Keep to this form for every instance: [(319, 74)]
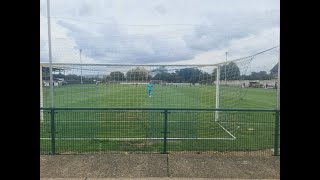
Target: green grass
[(169, 96), (252, 130)]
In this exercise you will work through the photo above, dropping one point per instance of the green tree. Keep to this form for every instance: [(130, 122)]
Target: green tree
[(165, 76), (188, 75), (262, 75), (229, 71), (72, 79), (138, 74), (205, 78), (117, 76)]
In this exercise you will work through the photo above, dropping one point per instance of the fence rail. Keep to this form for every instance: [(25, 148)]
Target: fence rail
[(159, 130)]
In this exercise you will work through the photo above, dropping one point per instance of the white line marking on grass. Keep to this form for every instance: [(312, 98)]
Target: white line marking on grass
[(246, 122), (132, 139), (227, 131), (57, 121)]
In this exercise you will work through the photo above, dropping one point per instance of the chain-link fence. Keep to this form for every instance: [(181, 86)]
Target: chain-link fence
[(159, 130)]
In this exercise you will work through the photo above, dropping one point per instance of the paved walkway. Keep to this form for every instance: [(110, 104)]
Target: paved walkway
[(158, 167), (150, 178)]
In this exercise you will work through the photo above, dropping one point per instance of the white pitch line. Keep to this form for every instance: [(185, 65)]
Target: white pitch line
[(126, 139), (246, 122), (125, 121), (227, 131)]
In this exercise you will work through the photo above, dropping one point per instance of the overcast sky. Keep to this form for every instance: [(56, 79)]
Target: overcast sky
[(159, 31)]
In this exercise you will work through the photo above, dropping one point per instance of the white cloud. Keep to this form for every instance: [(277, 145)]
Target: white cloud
[(196, 31), (64, 48), (244, 47)]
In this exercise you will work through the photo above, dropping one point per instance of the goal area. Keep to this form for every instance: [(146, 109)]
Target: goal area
[(105, 107), (222, 85)]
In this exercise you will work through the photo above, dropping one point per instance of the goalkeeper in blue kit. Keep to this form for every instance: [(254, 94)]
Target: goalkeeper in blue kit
[(149, 89)]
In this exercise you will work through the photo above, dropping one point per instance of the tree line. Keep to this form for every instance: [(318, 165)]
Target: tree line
[(229, 71)]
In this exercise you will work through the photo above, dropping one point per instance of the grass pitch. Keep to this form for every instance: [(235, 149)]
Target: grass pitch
[(142, 131)]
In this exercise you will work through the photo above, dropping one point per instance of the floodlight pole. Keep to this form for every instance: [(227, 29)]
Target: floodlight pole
[(81, 67), (50, 54), (217, 92)]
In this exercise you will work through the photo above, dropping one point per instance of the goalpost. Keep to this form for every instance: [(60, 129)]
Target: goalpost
[(207, 90), (189, 86), (196, 86), (243, 78)]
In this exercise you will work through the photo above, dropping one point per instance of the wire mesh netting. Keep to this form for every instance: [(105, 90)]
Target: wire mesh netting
[(193, 86), (105, 131), (227, 85)]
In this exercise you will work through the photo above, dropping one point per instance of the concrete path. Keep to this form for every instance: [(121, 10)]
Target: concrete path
[(158, 166), (150, 178)]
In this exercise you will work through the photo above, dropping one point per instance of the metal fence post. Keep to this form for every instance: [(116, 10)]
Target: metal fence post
[(165, 132), (276, 134), (53, 133)]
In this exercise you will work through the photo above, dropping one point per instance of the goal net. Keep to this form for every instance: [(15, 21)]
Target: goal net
[(232, 84)]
